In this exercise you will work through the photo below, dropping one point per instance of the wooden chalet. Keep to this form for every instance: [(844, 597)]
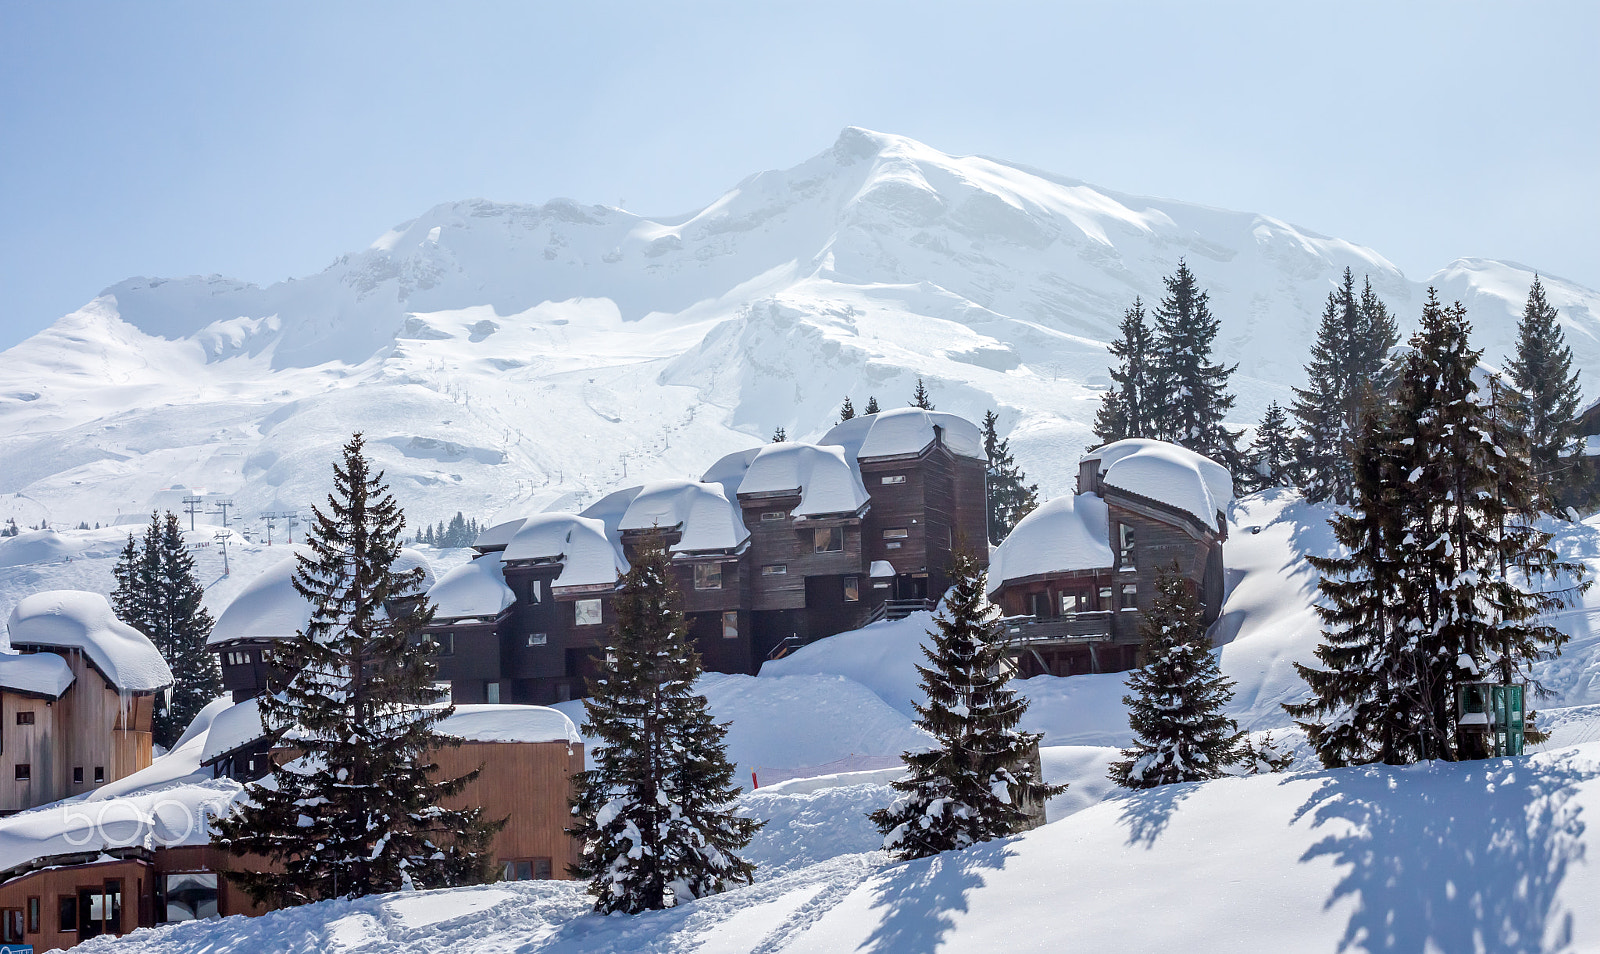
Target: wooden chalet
[(1075, 577)]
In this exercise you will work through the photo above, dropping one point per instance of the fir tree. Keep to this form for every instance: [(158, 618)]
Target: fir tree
[(1263, 756), (847, 411), (1010, 496), (358, 813), (872, 404), (1180, 733), (983, 778), (1271, 460), (1542, 371), (655, 814), (1130, 408), (1193, 395), (179, 626), (779, 435), (920, 398), (130, 599)]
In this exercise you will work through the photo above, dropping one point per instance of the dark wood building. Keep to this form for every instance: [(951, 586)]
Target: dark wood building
[(1075, 577)]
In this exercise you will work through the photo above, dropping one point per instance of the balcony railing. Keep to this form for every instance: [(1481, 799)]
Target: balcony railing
[(1075, 627)]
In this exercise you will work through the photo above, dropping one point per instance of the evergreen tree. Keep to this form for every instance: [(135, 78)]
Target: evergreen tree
[(1542, 371), (919, 398), (1131, 408), (1010, 496), (358, 812), (1263, 756), (1192, 389), (1271, 460), (847, 411), (981, 780), (180, 626), (1180, 733), (872, 404), (655, 814), (779, 436), (1377, 334), (130, 599)]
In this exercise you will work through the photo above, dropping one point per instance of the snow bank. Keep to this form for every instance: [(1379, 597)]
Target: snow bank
[(1068, 533), (508, 723), (882, 657), (35, 547), (44, 674), (904, 431), (475, 590), (1169, 474), (268, 608), (587, 555), (825, 480), (73, 619), (708, 519)]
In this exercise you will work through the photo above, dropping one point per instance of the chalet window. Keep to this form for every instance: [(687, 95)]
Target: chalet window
[(730, 625), (1106, 598), (491, 693), (1039, 604), (771, 515), (827, 540), (898, 533), (1130, 596), (25, 718), (99, 774), (852, 589), (239, 659), (708, 576), (189, 896), (775, 569), (586, 612), (67, 911), (1074, 601), (443, 692), (34, 917), (537, 639), (895, 479), (1125, 546), (443, 644), (528, 869), (24, 772), (77, 775), (12, 933)]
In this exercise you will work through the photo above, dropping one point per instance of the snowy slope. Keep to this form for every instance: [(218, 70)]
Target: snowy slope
[(502, 354)]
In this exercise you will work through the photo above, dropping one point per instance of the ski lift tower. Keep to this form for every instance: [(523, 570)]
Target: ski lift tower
[(1494, 713)]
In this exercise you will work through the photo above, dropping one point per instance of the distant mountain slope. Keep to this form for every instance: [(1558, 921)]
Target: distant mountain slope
[(500, 353)]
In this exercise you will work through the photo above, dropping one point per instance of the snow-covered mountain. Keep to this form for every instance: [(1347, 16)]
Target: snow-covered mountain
[(500, 354)]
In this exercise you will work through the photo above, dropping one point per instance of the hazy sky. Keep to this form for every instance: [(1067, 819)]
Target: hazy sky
[(261, 141)]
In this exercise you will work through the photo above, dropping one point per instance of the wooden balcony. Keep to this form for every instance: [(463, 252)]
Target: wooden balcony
[(1074, 628)]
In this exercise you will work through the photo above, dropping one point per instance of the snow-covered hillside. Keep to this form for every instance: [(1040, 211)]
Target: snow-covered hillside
[(498, 354)]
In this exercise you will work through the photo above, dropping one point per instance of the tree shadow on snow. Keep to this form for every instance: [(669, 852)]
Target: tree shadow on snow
[(1452, 857), (1146, 813), (922, 897)]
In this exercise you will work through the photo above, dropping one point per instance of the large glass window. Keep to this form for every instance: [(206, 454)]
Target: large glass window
[(586, 612), (528, 869), (708, 576), (1130, 596), (67, 912), (190, 895), (827, 539), (852, 589), (444, 644), (1125, 546), (491, 693), (730, 624), (1074, 601)]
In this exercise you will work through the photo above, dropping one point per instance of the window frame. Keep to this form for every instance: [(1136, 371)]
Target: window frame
[(23, 772), (708, 576), (580, 616), (896, 533), (773, 516), (893, 479), (730, 624), (852, 589), (1126, 538), (1128, 598), (775, 569), (25, 717), (822, 537)]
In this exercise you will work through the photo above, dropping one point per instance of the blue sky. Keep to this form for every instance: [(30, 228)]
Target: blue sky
[(262, 141)]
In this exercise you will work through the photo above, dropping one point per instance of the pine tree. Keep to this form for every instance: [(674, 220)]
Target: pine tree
[(872, 404), (1263, 756), (1130, 408), (1010, 496), (1271, 460), (130, 598), (847, 411), (1180, 733), (983, 778), (179, 626), (1542, 371), (1193, 390), (654, 815), (779, 435), (919, 398), (358, 813)]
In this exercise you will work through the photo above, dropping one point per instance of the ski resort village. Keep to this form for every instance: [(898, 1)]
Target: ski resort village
[(905, 551)]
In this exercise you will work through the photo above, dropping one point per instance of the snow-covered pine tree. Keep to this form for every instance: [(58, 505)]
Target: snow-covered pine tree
[(1194, 394), (1270, 461), (1180, 732), (1542, 371), (179, 626), (654, 814), (780, 435), (1263, 756), (872, 405), (1325, 447), (1129, 408), (358, 812), (982, 779), (920, 398), (1011, 497), (1377, 334), (847, 411), (130, 598)]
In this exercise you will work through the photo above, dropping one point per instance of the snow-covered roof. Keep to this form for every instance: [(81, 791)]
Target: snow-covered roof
[(587, 555), (610, 509), (730, 469), (409, 559), (1169, 474), (475, 589), (825, 480), (904, 430), (506, 723), (82, 621), (232, 728), (269, 607), (710, 521), (497, 536), (1065, 534), (881, 569), (42, 674)]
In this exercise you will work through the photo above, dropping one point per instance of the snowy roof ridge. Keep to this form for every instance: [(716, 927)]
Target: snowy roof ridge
[(1059, 536), (905, 431), (825, 479), (476, 589), (707, 518), (1167, 474), (588, 555), (269, 607), (83, 621)]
